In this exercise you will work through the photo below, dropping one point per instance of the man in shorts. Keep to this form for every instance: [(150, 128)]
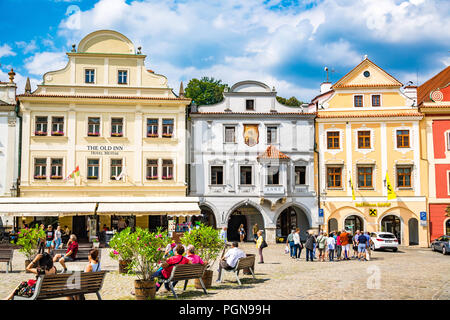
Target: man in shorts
[(345, 245), (71, 253), (321, 243), (49, 237), (362, 241)]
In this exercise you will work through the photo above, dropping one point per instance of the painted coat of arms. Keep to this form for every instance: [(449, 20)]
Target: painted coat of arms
[(251, 134)]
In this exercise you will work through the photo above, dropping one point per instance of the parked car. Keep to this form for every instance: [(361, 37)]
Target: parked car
[(384, 240), (441, 244)]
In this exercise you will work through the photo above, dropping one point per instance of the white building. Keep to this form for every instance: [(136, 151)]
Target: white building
[(252, 161), (9, 139)]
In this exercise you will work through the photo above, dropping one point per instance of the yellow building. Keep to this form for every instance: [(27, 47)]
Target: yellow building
[(117, 127), (367, 133)]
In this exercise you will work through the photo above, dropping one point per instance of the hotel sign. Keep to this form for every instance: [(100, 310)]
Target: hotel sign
[(274, 190), (378, 204), (105, 150)]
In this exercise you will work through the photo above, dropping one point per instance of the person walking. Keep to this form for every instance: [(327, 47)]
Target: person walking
[(361, 242), (260, 246), (241, 232), (255, 232), (297, 244), (309, 245), (321, 243), (290, 242), (338, 246), (331, 242)]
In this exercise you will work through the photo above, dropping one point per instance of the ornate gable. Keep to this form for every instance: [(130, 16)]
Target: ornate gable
[(367, 74)]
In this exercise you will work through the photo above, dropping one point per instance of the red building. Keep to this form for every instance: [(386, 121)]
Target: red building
[(433, 99)]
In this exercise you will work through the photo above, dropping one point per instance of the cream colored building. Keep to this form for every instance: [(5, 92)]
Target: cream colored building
[(368, 132), (116, 121)]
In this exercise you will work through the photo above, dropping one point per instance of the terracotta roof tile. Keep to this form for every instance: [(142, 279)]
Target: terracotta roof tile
[(369, 115), (99, 97), (438, 81), (272, 153)]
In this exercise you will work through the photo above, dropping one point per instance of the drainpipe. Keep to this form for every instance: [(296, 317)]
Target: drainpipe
[(318, 166), (19, 166)]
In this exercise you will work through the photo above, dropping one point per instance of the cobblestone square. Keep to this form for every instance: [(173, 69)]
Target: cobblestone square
[(410, 273)]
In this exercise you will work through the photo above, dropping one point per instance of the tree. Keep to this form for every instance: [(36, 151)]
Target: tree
[(205, 91), (292, 101)]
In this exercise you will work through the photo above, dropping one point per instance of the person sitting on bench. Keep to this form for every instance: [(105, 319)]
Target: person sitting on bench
[(167, 267), (71, 253), (230, 259)]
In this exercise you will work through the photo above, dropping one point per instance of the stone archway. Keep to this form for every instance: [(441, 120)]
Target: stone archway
[(290, 218), (354, 222), (333, 225), (248, 215), (207, 218), (393, 224), (413, 228)]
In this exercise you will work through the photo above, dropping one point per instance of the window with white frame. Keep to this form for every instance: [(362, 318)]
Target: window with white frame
[(272, 135), (365, 177), (56, 169), (376, 100), (217, 175), (93, 126), (152, 128), (93, 169), (41, 126), (230, 132), (122, 77), (167, 128), (334, 177), (246, 175), (250, 104), (273, 175), (167, 170), (89, 76), (40, 168), (300, 175), (152, 169), (117, 127), (116, 168), (358, 100), (57, 126), (404, 176)]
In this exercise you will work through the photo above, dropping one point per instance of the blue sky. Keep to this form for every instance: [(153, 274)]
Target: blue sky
[(284, 43)]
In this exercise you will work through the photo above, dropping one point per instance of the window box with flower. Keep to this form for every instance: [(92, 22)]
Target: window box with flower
[(92, 177), (152, 177), (152, 135), (93, 134), (57, 133), (117, 134), (40, 133), (167, 177), (167, 135), (40, 177), (55, 177)]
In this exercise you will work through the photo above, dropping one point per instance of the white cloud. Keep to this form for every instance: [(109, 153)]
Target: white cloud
[(43, 62), (27, 47), (6, 50), (235, 40)]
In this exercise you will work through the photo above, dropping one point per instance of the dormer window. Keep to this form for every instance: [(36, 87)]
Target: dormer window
[(250, 105), (123, 77), (89, 76)]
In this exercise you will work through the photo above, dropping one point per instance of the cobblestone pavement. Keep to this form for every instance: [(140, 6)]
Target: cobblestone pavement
[(410, 273)]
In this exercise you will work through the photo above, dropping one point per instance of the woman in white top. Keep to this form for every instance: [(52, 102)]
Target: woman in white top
[(331, 244), (297, 244), (57, 239)]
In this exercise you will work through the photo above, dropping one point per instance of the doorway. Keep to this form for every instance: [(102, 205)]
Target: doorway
[(79, 228), (353, 223), (236, 219), (413, 227), (393, 225)]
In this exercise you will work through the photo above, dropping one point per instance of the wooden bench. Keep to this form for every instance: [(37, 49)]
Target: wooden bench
[(243, 263), (82, 253), (67, 285), (186, 272), (6, 255)]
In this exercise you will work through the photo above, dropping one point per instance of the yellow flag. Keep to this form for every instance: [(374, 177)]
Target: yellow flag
[(353, 189), (390, 191)]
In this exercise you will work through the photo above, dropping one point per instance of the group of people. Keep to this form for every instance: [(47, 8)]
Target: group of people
[(334, 246), (257, 238)]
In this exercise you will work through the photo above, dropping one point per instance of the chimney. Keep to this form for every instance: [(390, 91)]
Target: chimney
[(325, 87), (411, 92)]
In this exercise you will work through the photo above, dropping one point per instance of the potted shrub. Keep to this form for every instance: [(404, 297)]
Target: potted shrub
[(121, 249), (208, 245), (148, 252), (28, 240)]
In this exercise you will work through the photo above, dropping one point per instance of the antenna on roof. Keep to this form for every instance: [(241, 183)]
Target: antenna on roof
[(326, 70)]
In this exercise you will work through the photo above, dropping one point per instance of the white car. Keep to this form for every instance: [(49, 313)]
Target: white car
[(384, 240)]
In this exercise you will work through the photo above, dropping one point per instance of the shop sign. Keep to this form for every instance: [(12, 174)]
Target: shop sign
[(373, 212), (105, 150), (320, 220), (378, 204)]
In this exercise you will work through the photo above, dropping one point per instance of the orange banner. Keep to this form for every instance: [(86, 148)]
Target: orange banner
[(251, 134)]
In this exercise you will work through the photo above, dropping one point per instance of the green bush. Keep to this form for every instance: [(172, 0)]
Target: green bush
[(28, 240)]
